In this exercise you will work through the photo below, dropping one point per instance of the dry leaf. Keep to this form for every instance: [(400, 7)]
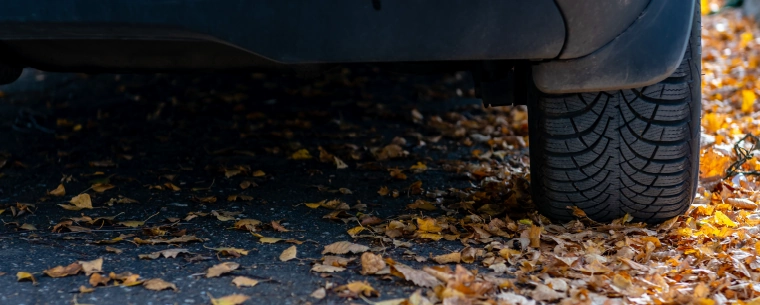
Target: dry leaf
[(101, 187), (288, 254), (278, 227), (96, 279), (355, 289), (222, 268), (168, 253), (114, 250), (242, 281), (419, 278), (234, 299), (158, 285), (58, 192), (343, 247), (372, 263), (25, 276), (454, 257), (81, 201), (326, 268), (319, 294), (61, 271), (89, 267), (247, 224), (231, 251), (301, 154)]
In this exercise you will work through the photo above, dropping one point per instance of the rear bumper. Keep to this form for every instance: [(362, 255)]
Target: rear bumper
[(301, 31), (576, 46)]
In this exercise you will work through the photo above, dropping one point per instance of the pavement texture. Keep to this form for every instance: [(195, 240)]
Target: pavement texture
[(197, 153)]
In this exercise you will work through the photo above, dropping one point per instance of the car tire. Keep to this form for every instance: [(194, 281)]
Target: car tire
[(632, 151)]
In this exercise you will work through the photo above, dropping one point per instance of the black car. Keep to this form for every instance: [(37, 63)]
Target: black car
[(612, 86)]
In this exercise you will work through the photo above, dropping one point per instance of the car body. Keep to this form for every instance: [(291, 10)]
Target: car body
[(568, 42)]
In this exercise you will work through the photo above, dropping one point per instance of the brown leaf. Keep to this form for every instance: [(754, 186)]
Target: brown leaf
[(25, 276), (234, 299), (372, 263), (61, 271), (231, 251), (454, 257), (158, 284), (81, 201), (242, 281), (114, 250), (278, 227), (101, 187), (336, 261), (222, 268), (96, 279), (355, 289), (343, 247), (59, 191), (247, 224), (89, 267), (419, 278), (168, 253), (326, 268), (288, 254), (176, 240)]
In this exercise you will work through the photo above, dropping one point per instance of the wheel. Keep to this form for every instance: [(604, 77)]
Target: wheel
[(633, 151)]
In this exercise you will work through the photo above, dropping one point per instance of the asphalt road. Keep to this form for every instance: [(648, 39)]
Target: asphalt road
[(144, 133)]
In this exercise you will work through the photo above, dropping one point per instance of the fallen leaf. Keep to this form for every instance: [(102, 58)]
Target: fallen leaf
[(83, 289), (319, 294), (454, 257), (59, 191), (278, 227), (222, 268), (343, 247), (114, 250), (234, 299), (81, 201), (247, 224), (372, 263), (242, 281), (231, 251), (288, 254), (61, 271), (326, 268), (89, 267), (28, 227), (339, 164), (25, 276), (158, 284), (357, 288), (301, 154), (96, 280), (168, 253), (101, 187), (419, 278)]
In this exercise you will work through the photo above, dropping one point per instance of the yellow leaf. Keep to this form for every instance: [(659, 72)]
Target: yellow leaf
[(92, 266), (101, 187), (234, 299), (269, 240), (419, 167), (288, 254), (158, 285), (242, 281), (222, 268), (748, 101), (428, 225), (343, 247), (358, 288), (259, 173), (25, 276), (59, 191), (301, 154), (81, 201), (28, 227), (722, 219), (355, 230)]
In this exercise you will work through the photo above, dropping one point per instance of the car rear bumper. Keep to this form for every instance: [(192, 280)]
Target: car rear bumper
[(574, 46)]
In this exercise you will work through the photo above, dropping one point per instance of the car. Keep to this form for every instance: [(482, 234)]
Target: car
[(612, 86)]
